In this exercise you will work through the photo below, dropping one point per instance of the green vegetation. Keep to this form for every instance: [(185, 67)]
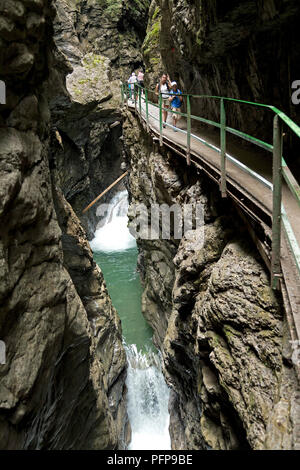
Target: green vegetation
[(77, 91), (199, 40), (152, 37), (138, 5), (112, 8), (93, 60), (156, 13), (94, 66), (154, 60)]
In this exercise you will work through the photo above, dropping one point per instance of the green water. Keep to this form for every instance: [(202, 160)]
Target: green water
[(124, 286)]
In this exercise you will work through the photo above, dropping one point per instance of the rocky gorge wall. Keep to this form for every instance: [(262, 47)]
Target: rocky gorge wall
[(221, 330), (222, 333), (63, 384), (245, 50), (98, 42), (111, 28)]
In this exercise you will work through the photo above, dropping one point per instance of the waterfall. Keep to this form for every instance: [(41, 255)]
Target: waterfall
[(114, 235), (148, 397), (148, 394)]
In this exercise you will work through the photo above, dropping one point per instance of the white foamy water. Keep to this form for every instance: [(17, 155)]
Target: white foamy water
[(148, 397), (148, 394), (114, 235)]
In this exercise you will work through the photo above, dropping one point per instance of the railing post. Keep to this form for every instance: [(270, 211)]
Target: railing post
[(122, 94), (277, 196), (140, 100), (135, 96), (189, 128), (160, 119), (223, 149), (147, 109)]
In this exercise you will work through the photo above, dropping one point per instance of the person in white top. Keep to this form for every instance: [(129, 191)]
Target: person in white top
[(164, 87), (132, 80)]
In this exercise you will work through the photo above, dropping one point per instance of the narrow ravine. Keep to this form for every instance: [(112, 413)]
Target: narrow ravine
[(116, 252)]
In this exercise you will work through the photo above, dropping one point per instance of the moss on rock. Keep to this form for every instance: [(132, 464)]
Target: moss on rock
[(151, 45)]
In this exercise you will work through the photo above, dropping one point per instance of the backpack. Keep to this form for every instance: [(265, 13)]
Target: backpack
[(179, 94), (159, 86)]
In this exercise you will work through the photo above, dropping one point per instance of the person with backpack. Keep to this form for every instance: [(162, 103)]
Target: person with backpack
[(163, 88), (176, 103)]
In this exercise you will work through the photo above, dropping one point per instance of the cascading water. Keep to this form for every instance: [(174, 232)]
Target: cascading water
[(113, 235), (148, 395), (147, 401)]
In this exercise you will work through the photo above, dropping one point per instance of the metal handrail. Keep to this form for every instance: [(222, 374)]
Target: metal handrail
[(279, 165)]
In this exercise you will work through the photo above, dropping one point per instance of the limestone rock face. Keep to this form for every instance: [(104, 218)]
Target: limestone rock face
[(233, 49), (225, 339), (105, 323), (151, 46), (112, 28), (98, 43), (62, 386), (85, 150), (245, 50), (85, 100), (221, 330)]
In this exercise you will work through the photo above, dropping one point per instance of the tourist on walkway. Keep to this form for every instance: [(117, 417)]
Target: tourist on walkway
[(164, 87), (132, 80), (176, 103), (140, 78)]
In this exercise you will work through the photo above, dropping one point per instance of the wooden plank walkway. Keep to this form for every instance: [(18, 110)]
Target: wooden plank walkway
[(257, 159), (254, 196)]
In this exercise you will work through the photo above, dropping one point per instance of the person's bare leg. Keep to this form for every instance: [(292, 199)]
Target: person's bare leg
[(165, 117)]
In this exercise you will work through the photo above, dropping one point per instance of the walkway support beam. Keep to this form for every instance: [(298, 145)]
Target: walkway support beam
[(104, 192), (189, 128), (223, 148), (277, 197), (135, 92), (122, 94), (127, 95)]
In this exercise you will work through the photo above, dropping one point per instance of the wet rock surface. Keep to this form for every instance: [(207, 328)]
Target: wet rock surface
[(98, 43), (62, 386), (223, 335), (105, 324), (85, 99), (112, 28), (247, 50)]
